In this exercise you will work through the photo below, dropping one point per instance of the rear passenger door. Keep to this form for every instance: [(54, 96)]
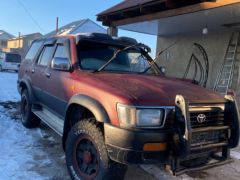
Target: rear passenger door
[(39, 74), (29, 60)]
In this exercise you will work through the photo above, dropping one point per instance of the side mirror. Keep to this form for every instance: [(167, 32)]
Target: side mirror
[(62, 64)]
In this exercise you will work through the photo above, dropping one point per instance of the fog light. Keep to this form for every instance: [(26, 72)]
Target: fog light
[(155, 147)]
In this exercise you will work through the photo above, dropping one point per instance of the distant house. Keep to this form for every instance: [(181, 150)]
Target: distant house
[(22, 43), (85, 25), (4, 36)]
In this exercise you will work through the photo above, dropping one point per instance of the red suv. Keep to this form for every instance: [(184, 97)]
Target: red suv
[(113, 106)]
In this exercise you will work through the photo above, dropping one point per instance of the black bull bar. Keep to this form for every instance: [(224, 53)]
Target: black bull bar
[(184, 148)]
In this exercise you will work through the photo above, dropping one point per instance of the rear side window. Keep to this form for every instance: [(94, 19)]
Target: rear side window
[(45, 55), (14, 58), (33, 50)]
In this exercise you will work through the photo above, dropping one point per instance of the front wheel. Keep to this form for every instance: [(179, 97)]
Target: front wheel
[(86, 154)]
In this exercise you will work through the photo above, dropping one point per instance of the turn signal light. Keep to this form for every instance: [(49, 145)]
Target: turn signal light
[(155, 147)]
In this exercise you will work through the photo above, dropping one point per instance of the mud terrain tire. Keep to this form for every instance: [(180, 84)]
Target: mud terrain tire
[(29, 120), (86, 154)]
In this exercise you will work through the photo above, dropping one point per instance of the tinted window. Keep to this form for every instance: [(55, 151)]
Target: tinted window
[(45, 55), (15, 58), (92, 56), (33, 50), (61, 52)]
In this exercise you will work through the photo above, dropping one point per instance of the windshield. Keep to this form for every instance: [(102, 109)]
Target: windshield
[(15, 58), (93, 56)]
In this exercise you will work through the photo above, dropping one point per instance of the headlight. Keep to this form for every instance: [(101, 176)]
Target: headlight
[(149, 117), (139, 117)]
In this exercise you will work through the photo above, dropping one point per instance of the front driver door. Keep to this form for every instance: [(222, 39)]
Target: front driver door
[(59, 81)]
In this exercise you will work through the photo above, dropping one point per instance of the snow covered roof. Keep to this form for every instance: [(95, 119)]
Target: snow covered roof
[(80, 26), (5, 36)]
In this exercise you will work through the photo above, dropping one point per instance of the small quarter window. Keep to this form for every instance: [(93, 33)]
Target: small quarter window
[(33, 50)]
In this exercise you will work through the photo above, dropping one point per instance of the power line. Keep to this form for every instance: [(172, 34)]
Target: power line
[(30, 15)]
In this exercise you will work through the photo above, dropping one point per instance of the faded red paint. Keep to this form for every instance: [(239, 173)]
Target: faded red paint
[(112, 88), (133, 89)]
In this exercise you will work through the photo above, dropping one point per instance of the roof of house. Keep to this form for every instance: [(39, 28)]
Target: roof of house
[(5, 35), (27, 36), (80, 26)]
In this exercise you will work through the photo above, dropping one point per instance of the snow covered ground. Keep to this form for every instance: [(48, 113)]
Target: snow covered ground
[(8, 87), (31, 154), (24, 153)]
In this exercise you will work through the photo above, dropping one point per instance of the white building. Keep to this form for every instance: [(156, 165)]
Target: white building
[(4, 36), (80, 26)]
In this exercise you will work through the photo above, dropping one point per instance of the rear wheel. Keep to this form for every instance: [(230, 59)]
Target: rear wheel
[(87, 156), (29, 119)]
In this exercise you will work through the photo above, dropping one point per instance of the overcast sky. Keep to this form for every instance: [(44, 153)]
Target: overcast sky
[(29, 16)]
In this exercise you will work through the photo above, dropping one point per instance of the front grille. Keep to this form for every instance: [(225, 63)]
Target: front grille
[(209, 131), (214, 117)]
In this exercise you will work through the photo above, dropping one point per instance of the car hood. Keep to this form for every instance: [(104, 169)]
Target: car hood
[(152, 90)]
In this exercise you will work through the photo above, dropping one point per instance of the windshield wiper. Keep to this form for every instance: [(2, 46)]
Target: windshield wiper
[(116, 53), (154, 60)]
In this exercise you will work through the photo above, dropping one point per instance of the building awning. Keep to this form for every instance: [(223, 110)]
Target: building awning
[(168, 17), (136, 8)]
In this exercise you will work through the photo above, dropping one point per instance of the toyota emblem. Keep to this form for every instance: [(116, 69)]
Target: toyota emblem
[(201, 118)]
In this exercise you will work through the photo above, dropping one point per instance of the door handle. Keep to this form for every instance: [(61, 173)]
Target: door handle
[(33, 71), (47, 74)]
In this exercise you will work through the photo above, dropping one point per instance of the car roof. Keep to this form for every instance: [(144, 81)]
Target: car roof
[(92, 37), (96, 37)]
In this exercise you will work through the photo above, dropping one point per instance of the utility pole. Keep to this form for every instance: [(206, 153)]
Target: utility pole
[(57, 25), (19, 42)]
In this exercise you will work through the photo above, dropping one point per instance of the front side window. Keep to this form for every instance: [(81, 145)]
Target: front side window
[(61, 52), (45, 55), (94, 55), (61, 60)]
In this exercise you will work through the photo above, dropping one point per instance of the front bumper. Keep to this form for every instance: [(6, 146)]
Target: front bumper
[(126, 146), (187, 143)]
